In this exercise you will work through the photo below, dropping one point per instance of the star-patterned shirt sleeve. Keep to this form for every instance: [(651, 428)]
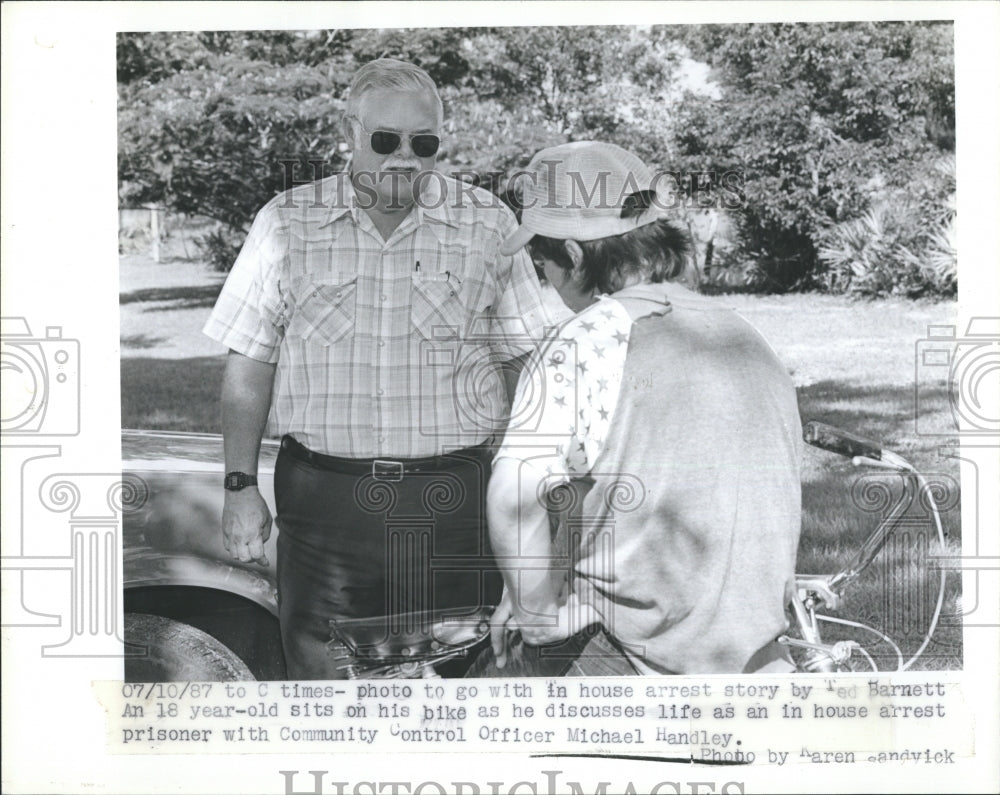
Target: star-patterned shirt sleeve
[(567, 393)]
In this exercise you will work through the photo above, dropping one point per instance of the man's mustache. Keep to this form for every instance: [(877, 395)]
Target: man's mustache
[(401, 165)]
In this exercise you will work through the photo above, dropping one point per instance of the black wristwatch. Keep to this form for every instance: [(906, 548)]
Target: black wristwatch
[(237, 481)]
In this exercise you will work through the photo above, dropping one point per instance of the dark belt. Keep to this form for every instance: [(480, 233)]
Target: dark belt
[(384, 468)]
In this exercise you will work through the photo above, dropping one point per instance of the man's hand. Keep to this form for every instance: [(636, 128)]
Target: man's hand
[(246, 525), (570, 618)]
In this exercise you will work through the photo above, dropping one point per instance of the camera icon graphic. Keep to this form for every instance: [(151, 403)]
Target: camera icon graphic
[(41, 381), (968, 368)]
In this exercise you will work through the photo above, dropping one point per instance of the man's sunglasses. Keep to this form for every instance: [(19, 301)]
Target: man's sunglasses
[(384, 142)]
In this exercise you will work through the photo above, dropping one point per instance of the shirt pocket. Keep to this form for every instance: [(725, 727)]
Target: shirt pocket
[(326, 312), (437, 309)]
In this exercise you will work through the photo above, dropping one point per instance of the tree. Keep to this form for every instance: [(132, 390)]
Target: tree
[(825, 121), (217, 134), (822, 123)]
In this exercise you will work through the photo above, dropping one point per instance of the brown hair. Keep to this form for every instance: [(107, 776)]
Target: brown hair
[(656, 251)]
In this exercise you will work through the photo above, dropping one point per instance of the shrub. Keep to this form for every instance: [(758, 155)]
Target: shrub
[(220, 249), (754, 256), (889, 250), (938, 260)]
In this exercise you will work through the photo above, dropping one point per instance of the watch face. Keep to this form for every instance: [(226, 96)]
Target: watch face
[(239, 480)]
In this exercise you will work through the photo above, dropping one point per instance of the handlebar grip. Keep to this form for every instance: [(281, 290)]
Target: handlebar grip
[(834, 440)]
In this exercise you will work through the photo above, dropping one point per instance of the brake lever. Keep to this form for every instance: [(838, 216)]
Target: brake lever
[(817, 587)]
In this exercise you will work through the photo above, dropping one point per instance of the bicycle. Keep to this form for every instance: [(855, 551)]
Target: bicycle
[(414, 644), (814, 593), (407, 645)]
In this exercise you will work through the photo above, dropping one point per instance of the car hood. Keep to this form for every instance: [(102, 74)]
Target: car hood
[(183, 451)]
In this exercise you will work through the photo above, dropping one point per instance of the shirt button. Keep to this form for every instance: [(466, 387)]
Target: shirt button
[(381, 438), (381, 343), (379, 391), (383, 296)]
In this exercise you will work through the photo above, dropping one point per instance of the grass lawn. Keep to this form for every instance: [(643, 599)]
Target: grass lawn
[(852, 362), (172, 394)]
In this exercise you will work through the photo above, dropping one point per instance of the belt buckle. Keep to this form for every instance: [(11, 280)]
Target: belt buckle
[(387, 470)]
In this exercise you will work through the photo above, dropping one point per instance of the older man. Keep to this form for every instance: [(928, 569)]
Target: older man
[(369, 319)]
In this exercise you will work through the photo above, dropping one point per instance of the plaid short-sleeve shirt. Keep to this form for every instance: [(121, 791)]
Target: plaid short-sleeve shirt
[(384, 348)]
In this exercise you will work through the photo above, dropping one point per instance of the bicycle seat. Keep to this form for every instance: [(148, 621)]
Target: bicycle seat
[(409, 637)]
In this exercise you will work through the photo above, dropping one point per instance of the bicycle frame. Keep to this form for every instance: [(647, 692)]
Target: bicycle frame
[(815, 592)]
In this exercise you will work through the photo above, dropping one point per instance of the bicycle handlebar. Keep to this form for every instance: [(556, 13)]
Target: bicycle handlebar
[(834, 440)]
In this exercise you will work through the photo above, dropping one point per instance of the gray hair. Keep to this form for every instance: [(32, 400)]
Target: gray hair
[(392, 74)]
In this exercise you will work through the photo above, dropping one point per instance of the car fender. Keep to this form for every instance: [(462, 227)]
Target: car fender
[(173, 535), (152, 567)]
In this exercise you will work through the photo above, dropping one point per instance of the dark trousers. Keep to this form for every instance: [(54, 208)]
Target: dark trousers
[(591, 652), (364, 542)]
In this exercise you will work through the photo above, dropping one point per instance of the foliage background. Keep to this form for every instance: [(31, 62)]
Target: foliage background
[(841, 134)]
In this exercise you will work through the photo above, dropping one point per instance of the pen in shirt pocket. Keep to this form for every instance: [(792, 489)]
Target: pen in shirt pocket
[(417, 268)]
